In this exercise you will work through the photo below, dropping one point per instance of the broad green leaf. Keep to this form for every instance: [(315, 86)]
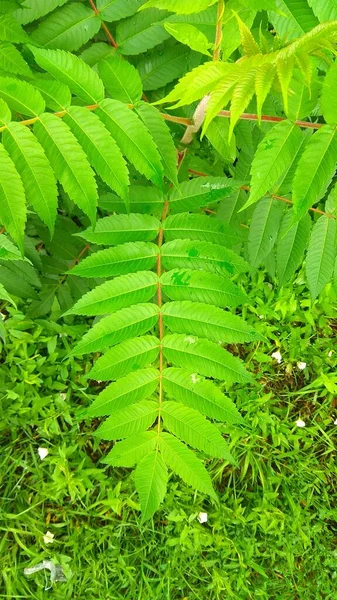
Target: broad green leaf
[(12, 199), (292, 19), (31, 10), (118, 293), (100, 148), (189, 35), (129, 452), (126, 258), (21, 96), (96, 52), (200, 286), (5, 113), (127, 357), (73, 72), (206, 357), (328, 97), (56, 95), (272, 157), (11, 31), (118, 229), (291, 244), (147, 200), (161, 136), (325, 10), (263, 229), (120, 78), (205, 256), (151, 483), (4, 295), (184, 462), (14, 282), (7, 249), (199, 393), (128, 421), (36, 173), (217, 134), (200, 227), (160, 68), (315, 170), (115, 10), (69, 27), (128, 390), (186, 7), (231, 41), (321, 254), (133, 138), (194, 429), (122, 325), (12, 61), (207, 321), (141, 32), (68, 161), (199, 192)]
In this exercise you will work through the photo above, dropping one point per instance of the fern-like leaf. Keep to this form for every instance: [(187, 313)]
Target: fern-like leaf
[(120, 78), (125, 358), (126, 258), (12, 213), (119, 229), (151, 482)]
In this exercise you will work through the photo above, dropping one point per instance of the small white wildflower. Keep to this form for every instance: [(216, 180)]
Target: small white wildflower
[(48, 538), (278, 356), (261, 316), (202, 517), (301, 365), (63, 395), (335, 422), (300, 423), (194, 378), (330, 353), (42, 452)]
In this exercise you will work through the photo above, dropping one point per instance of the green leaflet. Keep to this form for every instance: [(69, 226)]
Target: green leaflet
[(100, 148), (12, 61), (128, 390), (133, 138), (199, 393), (189, 35), (325, 10), (208, 322), (189, 6), (21, 96), (121, 292), (129, 452), (151, 482), (291, 244), (34, 9), (200, 192), (122, 325), (7, 249), (114, 10), (4, 295), (127, 357), (315, 170), (189, 425), (11, 31), (185, 463), (321, 254), (272, 157), (202, 255), (263, 230), (72, 71), (126, 258), (218, 135), (328, 96), (68, 28), (141, 32), (292, 19), (160, 68), (142, 199), (206, 357), (56, 95), (12, 216), (200, 286), (36, 173), (128, 421), (118, 229), (68, 161), (200, 227), (120, 78)]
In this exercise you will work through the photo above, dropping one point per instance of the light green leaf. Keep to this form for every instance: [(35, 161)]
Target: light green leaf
[(199, 393), (11, 31), (186, 7), (12, 199), (203, 256), (121, 79), (4, 295), (291, 244), (68, 161), (115, 10), (160, 68), (217, 134), (200, 227), (292, 19), (127, 357), (328, 97), (206, 357), (12, 61), (118, 229), (128, 421), (199, 192), (185, 463), (56, 95), (189, 35), (122, 325), (129, 452), (263, 229), (321, 254), (194, 429), (36, 173), (73, 72), (7, 249), (146, 200), (133, 138), (5, 113), (68, 27), (325, 10), (141, 32), (21, 96), (151, 483), (127, 258)]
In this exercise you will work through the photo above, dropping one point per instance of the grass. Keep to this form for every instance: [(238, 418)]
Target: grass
[(271, 537)]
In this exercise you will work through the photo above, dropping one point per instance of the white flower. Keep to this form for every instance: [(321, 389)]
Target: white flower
[(300, 423), (194, 378), (335, 422), (42, 452), (63, 395), (301, 365), (330, 353), (202, 517), (48, 538), (278, 356)]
